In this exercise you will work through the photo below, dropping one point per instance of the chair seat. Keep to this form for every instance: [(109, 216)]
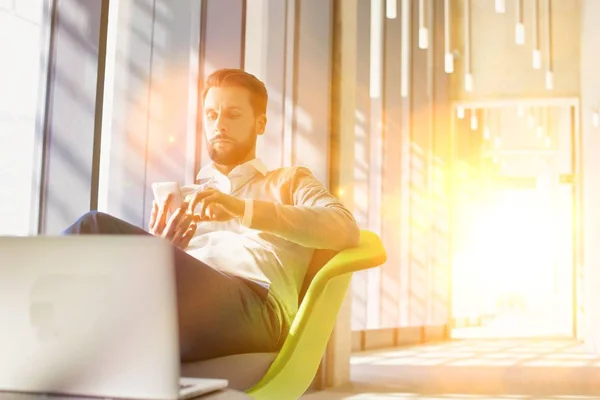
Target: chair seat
[(241, 370)]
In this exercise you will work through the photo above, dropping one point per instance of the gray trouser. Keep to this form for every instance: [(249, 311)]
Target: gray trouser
[(219, 314)]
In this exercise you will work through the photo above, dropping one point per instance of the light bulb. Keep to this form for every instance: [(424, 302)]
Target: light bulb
[(460, 112), (520, 33), (520, 111), (540, 131), (474, 122), (537, 59), (497, 142), (449, 63), (596, 119), (487, 133), (423, 38), (548, 141), (549, 80), (468, 82), (376, 50), (500, 6), (391, 11), (530, 121)]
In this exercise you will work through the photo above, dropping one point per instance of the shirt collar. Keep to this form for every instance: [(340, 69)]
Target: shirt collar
[(210, 171)]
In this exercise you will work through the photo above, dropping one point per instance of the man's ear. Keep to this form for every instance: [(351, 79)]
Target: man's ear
[(261, 124)]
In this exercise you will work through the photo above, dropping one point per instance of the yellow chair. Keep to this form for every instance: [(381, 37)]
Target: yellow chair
[(291, 371)]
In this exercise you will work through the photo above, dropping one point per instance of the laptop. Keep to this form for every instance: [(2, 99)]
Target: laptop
[(91, 316)]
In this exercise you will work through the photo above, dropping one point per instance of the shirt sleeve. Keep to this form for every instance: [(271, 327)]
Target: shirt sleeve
[(315, 219)]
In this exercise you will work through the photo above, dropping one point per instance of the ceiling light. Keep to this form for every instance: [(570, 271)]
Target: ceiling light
[(500, 6), (391, 9), (520, 26), (448, 56), (474, 121)]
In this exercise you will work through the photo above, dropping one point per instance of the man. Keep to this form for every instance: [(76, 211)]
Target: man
[(244, 240)]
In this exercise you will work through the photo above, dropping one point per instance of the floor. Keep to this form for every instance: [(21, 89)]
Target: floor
[(474, 369), (520, 324)]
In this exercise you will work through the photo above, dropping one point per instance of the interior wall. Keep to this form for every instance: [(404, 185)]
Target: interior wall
[(501, 68), (400, 177), (590, 102)]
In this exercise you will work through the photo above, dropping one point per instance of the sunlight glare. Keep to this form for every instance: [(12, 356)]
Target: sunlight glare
[(495, 260)]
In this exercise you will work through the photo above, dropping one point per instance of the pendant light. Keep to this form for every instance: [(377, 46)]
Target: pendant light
[(468, 75), (549, 66), (520, 26), (448, 56), (500, 6), (537, 52), (376, 57), (391, 9)]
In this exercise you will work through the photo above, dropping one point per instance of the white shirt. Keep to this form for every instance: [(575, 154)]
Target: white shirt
[(288, 214), (224, 183)]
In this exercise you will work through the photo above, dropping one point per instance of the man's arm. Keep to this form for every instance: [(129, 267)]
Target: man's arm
[(315, 220)]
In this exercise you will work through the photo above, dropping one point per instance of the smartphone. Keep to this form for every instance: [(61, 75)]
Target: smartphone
[(162, 189)]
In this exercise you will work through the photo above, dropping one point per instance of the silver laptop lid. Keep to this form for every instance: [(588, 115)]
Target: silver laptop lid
[(88, 315)]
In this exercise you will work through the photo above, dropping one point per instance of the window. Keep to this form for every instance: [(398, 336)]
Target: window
[(20, 77)]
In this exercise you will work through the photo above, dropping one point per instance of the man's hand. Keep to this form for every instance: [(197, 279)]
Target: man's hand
[(215, 206), (179, 228)]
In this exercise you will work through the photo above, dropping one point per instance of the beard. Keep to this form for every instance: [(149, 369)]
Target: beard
[(234, 153)]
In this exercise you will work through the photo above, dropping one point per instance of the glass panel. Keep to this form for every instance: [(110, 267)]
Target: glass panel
[(150, 103), (20, 51)]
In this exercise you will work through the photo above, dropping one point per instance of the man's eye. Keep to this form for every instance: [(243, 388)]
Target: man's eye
[(233, 114), (211, 116)]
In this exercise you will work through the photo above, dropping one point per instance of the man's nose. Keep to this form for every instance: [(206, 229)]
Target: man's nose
[(220, 124)]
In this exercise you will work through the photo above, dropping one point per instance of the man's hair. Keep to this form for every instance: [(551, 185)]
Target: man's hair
[(238, 77)]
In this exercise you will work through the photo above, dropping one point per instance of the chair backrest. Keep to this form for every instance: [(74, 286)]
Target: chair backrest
[(295, 366), (318, 261)]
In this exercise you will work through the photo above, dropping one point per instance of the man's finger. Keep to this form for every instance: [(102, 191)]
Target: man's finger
[(185, 235), (182, 225), (153, 215), (184, 207), (198, 197), (185, 239), (161, 219), (217, 212), (171, 226), (206, 202), (182, 217), (182, 228)]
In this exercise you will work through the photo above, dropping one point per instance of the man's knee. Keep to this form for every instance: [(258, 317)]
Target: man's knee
[(93, 222), (95, 216)]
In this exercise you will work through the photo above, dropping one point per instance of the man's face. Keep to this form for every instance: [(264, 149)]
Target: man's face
[(230, 125)]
